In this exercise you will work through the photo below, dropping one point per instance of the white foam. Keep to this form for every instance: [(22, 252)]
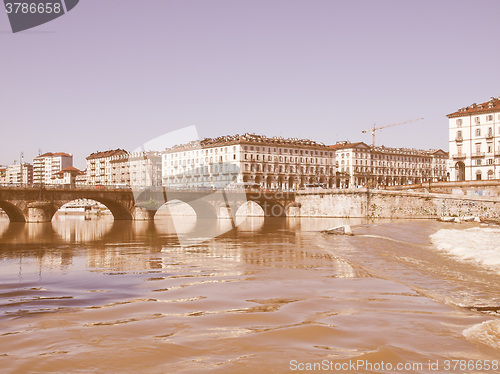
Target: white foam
[(478, 244), (487, 333)]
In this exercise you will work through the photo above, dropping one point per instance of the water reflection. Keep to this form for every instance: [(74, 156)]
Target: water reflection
[(110, 263), (188, 229), (79, 229), (125, 245), (271, 288)]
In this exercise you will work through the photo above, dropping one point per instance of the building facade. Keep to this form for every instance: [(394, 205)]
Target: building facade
[(474, 138), (19, 174), (67, 177), (359, 164), (120, 168), (3, 175), (145, 169), (251, 159), (107, 168), (81, 179), (46, 166)]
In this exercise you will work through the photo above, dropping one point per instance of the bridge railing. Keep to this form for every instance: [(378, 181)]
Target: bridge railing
[(136, 188)]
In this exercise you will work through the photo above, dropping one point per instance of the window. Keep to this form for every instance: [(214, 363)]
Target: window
[(476, 120), (479, 162), (478, 132), (459, 122), (459, 135), (478, 148), (489, 118)]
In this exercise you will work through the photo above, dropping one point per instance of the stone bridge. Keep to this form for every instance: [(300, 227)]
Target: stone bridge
[(26, 204), (35, 205)]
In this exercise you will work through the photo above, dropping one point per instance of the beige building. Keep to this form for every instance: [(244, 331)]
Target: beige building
[(67, 176), (120, 168), (359, 164), (145, 169), (3, 175), (474, 138), (108, 168), (19, 174), (47, 165), (81, 179), (271, 162)]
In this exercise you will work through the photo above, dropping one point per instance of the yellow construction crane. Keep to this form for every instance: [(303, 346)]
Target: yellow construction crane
[(373, 129)]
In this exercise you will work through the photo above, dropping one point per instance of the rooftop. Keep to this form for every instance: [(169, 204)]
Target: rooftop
[(383, 149), (112, 152), (248, 139), (69, 169), (50, 154), (490, 106)]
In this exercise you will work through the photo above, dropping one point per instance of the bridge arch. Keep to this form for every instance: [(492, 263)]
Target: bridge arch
[(14, 213), (203, 209), (117, 209), (271, 208), (249, 209), (176, 207)]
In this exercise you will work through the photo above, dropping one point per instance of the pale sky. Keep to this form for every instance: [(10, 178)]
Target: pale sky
[(118, 73)]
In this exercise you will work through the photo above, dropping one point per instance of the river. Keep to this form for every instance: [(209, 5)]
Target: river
[(272, 295)]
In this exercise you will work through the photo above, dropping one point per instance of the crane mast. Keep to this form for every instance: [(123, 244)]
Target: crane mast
[(373, 129)]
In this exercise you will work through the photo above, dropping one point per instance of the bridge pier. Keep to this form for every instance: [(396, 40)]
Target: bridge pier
[(40, 211), (143, 214)]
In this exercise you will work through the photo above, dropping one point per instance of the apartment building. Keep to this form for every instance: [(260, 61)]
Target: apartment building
[(145, 169), (19, 174), (359, 164), (67, 176), (3, 174), (474, 139), (120, 168), (108, 168), (47, 165), (271, 162)]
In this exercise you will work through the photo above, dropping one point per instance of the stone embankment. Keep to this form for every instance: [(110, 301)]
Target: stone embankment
[(393, 204)]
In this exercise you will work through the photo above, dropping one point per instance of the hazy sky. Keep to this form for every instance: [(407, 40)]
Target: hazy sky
[(117, 73)]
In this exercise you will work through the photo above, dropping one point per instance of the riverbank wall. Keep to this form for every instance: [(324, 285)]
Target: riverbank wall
[(393, 204)]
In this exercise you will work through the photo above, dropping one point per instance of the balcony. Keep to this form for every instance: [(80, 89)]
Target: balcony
[(459, 156), (489, 136), (459, 139), (478, 154)]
